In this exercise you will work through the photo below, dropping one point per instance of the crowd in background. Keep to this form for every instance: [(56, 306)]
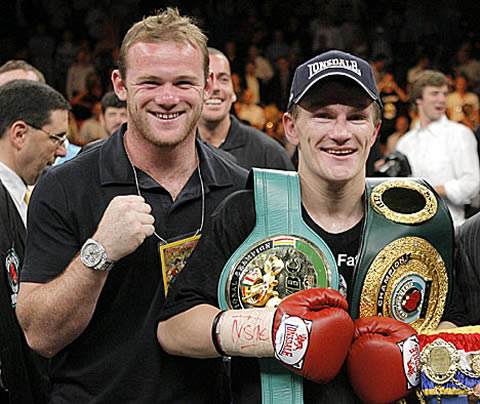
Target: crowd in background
[(76, 46)]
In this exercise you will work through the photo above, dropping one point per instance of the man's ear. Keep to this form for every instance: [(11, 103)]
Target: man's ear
[(209, 85), (290, 129), (18, 134), (375, 133), (119, 85)]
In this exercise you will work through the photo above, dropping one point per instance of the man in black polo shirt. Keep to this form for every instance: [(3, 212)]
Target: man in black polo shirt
[(111, 229), (221, 129)]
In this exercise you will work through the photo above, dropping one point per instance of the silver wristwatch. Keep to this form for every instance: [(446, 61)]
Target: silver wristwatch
[(93, 256)]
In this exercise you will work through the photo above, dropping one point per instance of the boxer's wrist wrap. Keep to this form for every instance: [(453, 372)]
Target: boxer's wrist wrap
[(246, 332), (216, 344)]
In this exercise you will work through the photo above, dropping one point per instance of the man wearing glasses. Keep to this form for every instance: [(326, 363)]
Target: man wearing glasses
[(33, 126)]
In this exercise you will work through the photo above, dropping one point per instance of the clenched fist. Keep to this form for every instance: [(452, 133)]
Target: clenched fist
[(125, 224)]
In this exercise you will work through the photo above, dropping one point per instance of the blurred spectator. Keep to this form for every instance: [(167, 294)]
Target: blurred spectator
[(19, 70), (273, 124), (395, 103), (92, 129), (324, 34), (277, 47), (114, 112), (236, 62), (298, 37), (237, 85), (263, 68), (279, 86), (422, 63), (64, 58), (468, 66), (379, 66), (380, 43), (248, 110), (401, 126), (77, 74), (251, 81), (41, 47), (82, 103), (462, 105)]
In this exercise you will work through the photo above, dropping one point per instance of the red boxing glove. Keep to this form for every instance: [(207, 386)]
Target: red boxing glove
[(312, 332), (383, 362)]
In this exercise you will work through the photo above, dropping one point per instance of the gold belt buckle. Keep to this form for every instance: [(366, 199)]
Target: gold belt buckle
[(440, 361)]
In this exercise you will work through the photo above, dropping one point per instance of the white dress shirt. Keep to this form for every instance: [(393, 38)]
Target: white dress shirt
[(16, 188), (445, 153)]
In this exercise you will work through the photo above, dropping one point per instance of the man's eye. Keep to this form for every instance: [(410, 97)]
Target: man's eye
[(322, 115), (357, 117)]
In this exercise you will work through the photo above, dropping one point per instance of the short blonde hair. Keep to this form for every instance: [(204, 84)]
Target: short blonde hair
[(164, 26)]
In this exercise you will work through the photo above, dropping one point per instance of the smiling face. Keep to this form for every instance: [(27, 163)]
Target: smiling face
[(217, 107), (334, 130), (164, 89), (432, 104)]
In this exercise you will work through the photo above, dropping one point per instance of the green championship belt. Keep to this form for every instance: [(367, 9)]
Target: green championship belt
[(406, 256), (281, 256)]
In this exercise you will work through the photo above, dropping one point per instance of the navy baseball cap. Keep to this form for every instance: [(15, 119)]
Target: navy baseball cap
[(333, 63)]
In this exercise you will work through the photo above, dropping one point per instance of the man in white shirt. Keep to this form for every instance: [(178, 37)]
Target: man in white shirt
[(33, 126), (441, 151), (249, 111)]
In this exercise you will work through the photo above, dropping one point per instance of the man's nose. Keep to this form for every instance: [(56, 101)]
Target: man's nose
[(167, 95), (61, 151), (340, 132)]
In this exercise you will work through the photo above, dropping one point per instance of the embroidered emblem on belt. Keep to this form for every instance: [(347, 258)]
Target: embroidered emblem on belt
[(12, 266), (407, 281), (273, 269)]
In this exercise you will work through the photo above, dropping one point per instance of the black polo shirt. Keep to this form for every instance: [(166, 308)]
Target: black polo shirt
[(253, 148), (117, 358)]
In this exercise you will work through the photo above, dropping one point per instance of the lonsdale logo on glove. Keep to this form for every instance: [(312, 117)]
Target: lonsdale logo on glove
[(410, 349), (292, 339)]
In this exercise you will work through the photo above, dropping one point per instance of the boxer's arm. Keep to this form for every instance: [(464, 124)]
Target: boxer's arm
[(445, 325), (189, 333)]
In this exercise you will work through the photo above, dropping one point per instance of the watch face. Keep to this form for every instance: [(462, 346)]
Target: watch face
[(92, 254)]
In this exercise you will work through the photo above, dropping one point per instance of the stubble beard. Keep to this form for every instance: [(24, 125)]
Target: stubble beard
[(140, 124)]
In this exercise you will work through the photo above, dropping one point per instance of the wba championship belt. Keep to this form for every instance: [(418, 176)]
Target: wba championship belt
[(406, 256), (449, 364), (281, 256)]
